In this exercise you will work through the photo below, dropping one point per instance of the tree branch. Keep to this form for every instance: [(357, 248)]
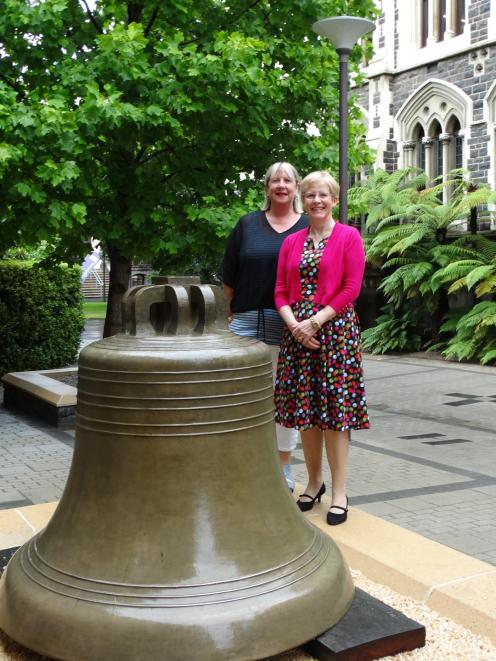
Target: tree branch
[(140, 153), (226, 24), (134, 12), (154, 155), (93, 20), (17, 88), (152, 20), (245, 10)]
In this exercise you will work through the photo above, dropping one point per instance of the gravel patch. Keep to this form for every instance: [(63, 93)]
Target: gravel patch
[(446, 640)]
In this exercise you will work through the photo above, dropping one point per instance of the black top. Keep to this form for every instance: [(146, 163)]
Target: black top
[(249, 265)]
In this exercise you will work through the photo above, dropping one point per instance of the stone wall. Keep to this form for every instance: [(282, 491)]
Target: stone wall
[(478, 16)]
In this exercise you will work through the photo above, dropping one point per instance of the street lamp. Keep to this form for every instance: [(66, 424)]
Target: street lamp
[(343, 32)]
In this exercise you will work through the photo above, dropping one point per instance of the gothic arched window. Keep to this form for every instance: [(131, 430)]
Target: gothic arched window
[(431, 126), (435, 131), (454, 129), (419, 155), (459, 17)]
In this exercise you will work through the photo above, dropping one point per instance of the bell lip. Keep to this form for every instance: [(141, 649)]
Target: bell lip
[(70, 624)]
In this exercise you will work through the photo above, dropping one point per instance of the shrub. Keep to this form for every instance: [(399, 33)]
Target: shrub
[(40, 315)]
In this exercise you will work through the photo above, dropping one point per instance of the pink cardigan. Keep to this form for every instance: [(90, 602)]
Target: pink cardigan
[(340, 274)]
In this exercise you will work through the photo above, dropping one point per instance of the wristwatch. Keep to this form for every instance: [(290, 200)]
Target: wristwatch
[(315, 324)]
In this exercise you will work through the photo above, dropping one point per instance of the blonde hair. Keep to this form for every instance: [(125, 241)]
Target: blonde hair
[(317, 177), (292, 173)]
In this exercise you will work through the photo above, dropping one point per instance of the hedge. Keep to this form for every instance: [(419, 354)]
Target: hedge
[(41, 316)]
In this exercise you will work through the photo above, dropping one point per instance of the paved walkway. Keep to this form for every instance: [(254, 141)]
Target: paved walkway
[(428, 464)]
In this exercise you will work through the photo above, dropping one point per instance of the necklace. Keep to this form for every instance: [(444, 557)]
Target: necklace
[(324, 235)]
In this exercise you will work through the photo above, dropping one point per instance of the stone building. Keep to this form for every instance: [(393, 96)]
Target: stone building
[(430, 96)]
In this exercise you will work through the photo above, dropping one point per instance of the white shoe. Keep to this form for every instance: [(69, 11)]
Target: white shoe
[(289, 478)]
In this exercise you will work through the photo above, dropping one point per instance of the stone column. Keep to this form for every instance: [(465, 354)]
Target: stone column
[(429, 165), (417, 24), (408, 150), (445, 140), (433, 32), (450, 19)]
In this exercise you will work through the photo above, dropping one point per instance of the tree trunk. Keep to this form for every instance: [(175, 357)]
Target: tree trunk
[(438, 315), (473, 220), (120, 274)]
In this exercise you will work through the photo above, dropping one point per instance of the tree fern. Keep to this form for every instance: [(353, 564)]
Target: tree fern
[(384, 194), (480, 273), (461, 348), (453, 274), (485, 248), (488, 355), (413, 237), (452, 252), (476, 266), (422, 266), (488, 286), (475, 334), (483, 313), (451, 321), (405, 279), (392, 333), (397, 261)]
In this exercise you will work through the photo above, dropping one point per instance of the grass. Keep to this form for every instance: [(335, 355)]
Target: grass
[(94, 310)]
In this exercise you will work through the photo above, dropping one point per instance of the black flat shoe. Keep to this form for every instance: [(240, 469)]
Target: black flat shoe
[(306, 505), (333, 518)]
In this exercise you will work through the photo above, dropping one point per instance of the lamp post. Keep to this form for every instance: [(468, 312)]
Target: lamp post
[(343, 32)]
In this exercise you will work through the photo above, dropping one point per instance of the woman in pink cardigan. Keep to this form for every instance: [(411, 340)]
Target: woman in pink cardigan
[(319, 386)]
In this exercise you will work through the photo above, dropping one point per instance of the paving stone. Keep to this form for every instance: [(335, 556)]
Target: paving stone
[(15, 469), (380, 509), (489, 490), (47, 494)]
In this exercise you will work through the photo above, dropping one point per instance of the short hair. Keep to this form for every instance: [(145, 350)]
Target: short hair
[(320, 176), (292, 173)]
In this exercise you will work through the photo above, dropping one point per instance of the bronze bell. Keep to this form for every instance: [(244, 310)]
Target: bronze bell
[(176, 537)]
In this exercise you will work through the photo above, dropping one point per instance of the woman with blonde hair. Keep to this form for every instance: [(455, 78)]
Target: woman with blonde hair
[(248, 272), (319, 385)]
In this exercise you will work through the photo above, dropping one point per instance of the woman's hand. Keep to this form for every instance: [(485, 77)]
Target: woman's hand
[(304, 333)]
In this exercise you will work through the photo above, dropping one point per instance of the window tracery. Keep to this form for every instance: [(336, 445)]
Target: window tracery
[(440, 19)]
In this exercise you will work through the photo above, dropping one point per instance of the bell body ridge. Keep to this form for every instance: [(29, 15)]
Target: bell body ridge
[(176, 537)]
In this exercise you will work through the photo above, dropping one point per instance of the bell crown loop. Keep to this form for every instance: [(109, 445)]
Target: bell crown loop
[(174, 309)]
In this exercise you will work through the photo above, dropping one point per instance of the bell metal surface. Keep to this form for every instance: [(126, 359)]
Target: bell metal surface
[(176, 536)]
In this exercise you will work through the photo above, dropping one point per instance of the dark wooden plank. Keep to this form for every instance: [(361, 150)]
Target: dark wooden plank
[(370, 630)]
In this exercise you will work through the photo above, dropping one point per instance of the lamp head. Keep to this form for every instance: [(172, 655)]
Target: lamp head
[(343, 31)]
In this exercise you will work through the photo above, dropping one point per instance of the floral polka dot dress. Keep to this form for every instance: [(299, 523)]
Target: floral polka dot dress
[(321, 387)]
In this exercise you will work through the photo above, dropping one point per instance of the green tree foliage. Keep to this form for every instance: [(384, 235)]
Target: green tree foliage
[(134, 122)]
